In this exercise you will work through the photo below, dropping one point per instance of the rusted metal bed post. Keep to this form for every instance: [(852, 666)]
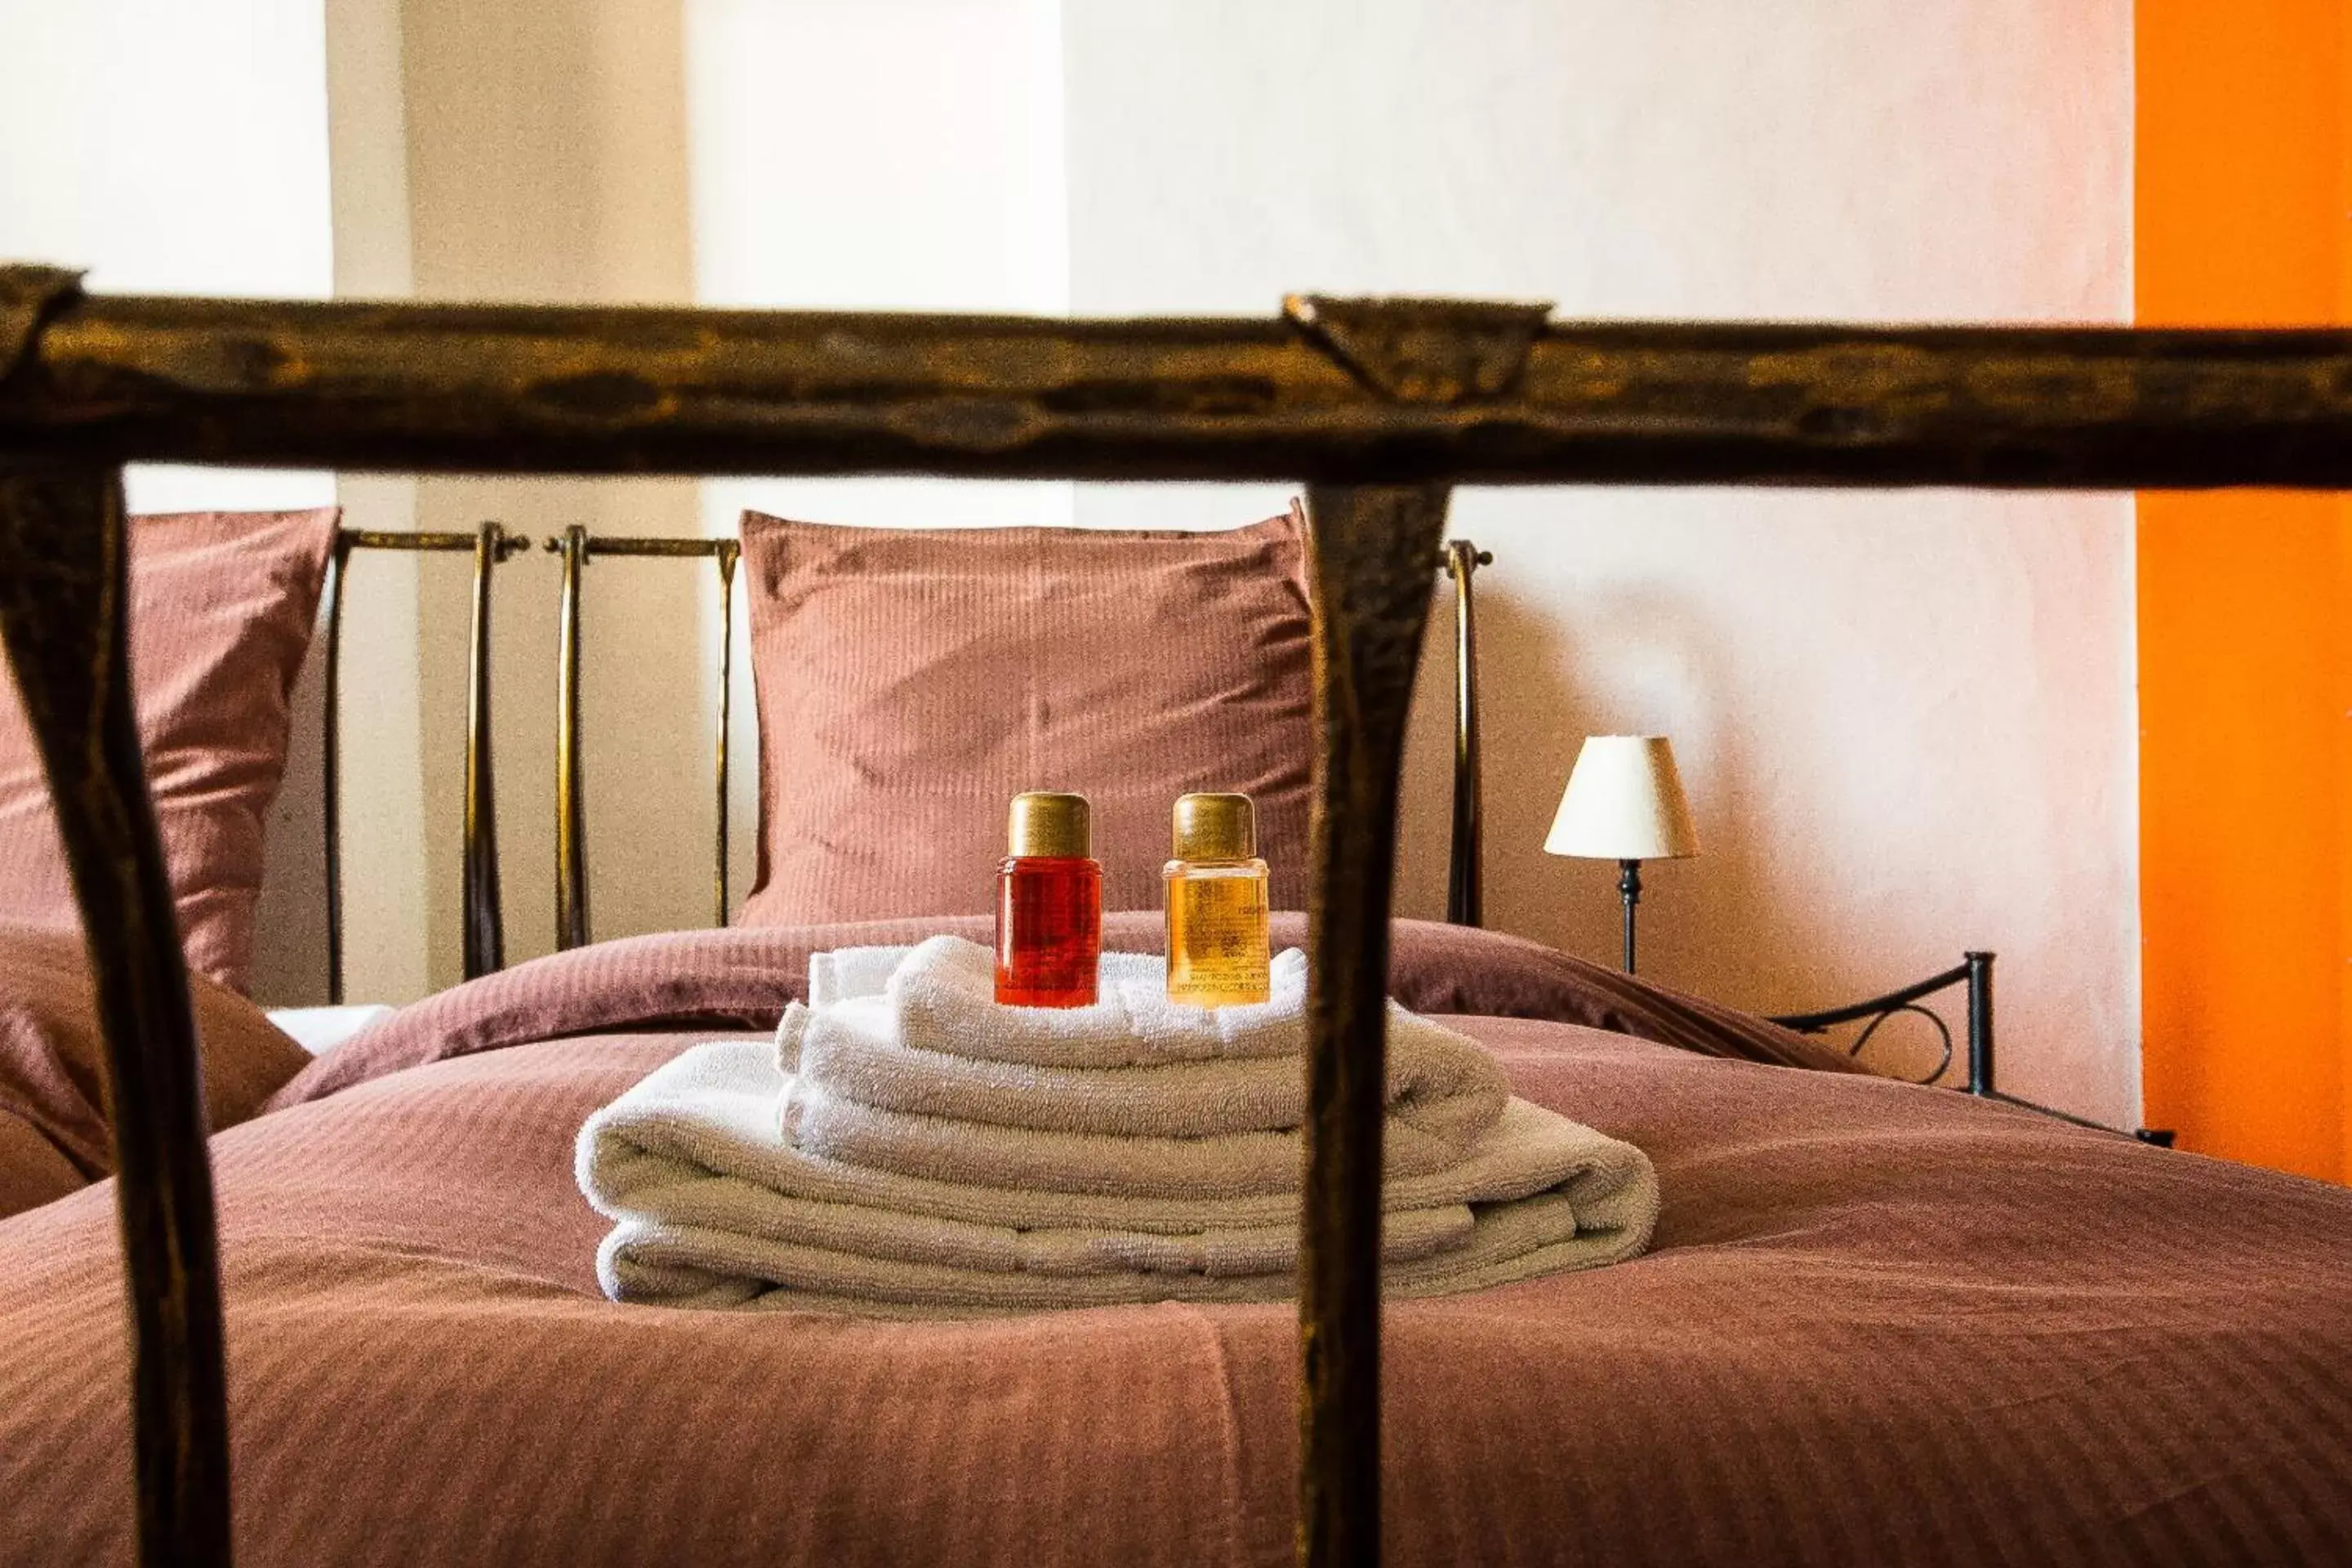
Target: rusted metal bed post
[(578, 547), (1371, 546), (63, 597), (65, 618), (478, 851)]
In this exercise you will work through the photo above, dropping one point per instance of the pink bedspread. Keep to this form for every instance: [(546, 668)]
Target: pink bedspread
[(741, 978), (1881, 1324)]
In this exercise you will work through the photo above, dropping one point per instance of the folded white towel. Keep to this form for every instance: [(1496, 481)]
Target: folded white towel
[(841, 973), (943, 993), (713, 1207), (853, 1049)]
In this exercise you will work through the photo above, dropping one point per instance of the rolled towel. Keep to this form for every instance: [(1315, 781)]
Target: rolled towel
[(712, 1206)]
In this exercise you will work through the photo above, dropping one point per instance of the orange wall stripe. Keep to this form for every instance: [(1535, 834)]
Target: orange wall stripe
[(2242, 182)]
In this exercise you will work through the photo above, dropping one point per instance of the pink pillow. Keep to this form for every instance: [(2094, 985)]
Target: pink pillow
[(55, 1132), (912, 682), (221, 609)]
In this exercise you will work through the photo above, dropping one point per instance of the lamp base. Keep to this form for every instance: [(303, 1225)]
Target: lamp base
[(1629, 888)]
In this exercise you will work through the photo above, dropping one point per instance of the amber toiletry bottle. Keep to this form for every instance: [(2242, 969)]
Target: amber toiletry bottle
[(1049, 905), (1216, 904)]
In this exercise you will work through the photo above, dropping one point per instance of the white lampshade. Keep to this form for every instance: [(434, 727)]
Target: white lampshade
[(1624, 802)]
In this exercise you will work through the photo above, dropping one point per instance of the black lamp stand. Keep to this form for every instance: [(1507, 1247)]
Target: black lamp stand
[(1629, 888)]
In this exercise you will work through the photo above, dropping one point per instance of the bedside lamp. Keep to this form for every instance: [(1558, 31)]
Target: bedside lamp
[(1624, 803)]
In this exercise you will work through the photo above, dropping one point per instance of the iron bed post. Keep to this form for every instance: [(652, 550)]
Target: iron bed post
[(331, 763), (570, 793), (1464, 899), (726, 556), (1980, 968), (1372, 548), (485, 950), (477, 850)]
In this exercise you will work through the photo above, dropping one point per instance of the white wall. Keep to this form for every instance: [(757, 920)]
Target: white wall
[(182, 149), (172, 150), (915, 161), (1905, 720), (546, 161), (874, 154), (388, 886), (168, 149)]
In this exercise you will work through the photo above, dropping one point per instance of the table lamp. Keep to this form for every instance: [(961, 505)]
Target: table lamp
[(1624, 803)]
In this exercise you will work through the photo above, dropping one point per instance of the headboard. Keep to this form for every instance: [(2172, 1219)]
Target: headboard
[(485, 924), (1381, 406), (577, 547)]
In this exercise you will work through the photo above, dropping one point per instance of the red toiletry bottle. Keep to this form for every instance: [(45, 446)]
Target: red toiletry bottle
[(1049, 905)]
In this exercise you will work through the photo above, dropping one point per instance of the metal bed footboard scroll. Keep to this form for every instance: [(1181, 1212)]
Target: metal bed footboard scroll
[(1974, 972), (1379, 405)]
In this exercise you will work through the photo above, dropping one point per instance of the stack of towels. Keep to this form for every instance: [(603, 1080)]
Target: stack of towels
[(908, 1147)]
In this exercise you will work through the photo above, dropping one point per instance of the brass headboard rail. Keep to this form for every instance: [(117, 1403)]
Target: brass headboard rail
[(485, 925), (1379, 404), (616, 390), (577, 547)]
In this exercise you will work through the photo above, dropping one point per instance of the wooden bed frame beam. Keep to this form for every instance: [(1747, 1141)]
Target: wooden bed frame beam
[(1333, 391)]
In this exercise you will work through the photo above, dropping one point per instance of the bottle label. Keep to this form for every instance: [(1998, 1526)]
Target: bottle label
[(1217, 941)]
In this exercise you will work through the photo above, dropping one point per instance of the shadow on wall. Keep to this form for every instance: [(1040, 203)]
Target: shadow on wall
[(644, 732), (548, 160), (1425, 811), (646, 744), (290, 950), (1724, 924)]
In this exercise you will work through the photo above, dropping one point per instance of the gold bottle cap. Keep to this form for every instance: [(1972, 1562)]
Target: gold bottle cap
[(1215, 827), (1044, 823)]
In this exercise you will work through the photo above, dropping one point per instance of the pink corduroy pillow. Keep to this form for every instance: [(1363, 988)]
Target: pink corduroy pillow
[(910, 682), (221, 609)]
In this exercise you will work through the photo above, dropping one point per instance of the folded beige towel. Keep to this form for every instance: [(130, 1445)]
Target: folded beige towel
[(713, 1207)]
